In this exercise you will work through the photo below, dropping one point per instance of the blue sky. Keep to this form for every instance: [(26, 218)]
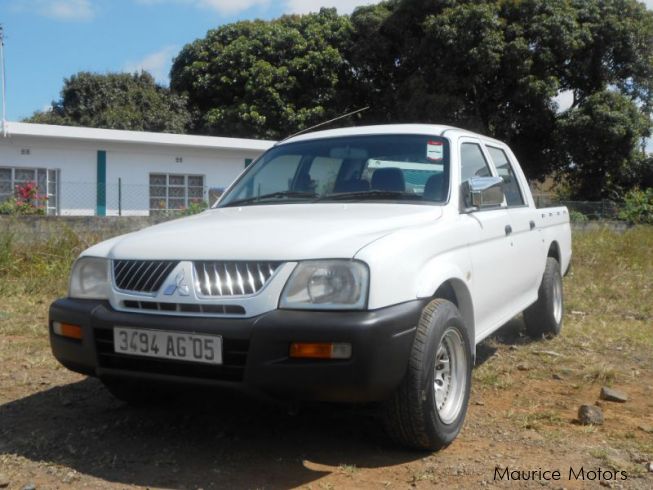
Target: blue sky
[(49, 40)]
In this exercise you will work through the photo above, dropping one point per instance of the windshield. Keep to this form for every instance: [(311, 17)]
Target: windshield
[(413, 168)]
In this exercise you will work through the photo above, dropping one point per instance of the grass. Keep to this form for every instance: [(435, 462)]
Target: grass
[(348, 469), (611, 279), (41, 268), (608, 300), (612, 275), (607, 340), (607, 336)]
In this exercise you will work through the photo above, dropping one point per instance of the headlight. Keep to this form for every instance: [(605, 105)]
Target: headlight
[(90, 279), (327, 285)]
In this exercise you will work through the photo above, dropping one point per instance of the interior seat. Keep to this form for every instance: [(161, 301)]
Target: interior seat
[(388, 179), (434, 188)]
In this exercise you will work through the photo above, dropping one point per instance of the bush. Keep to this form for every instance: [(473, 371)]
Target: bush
[(27, 201), (14, 206), (638, 207), (194, 208), (577, 217)]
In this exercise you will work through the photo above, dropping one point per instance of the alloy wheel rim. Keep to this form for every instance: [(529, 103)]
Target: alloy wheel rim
[(557, 301), (450, 377)]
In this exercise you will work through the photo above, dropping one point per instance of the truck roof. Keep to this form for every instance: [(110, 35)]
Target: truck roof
[(432, 129)]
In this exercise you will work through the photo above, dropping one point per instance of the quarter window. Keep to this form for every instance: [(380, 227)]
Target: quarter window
[(174, 192), (514, 196), (473, 162)]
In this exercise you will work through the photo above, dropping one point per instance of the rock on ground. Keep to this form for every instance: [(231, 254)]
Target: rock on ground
[(590, 415), (612, 395)]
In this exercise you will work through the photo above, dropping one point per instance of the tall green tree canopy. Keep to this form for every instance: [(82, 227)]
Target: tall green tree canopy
[(267, 79), (117, 101), (496, 65), (601, 137)]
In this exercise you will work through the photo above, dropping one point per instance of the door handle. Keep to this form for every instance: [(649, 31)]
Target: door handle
[(532, 224), (508, 230)]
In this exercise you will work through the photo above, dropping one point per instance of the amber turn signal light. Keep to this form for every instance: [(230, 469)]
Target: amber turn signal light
[(320, 350), (67, 330)]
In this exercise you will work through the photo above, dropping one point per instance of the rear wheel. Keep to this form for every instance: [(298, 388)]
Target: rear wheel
[(545, 315), (428, 409)]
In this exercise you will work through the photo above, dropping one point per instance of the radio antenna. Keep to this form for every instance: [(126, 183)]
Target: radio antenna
[(306, 130)]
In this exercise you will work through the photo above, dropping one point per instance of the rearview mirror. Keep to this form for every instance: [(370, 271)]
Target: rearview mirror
[(482, 192)]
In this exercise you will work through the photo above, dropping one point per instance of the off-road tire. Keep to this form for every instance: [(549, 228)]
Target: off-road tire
[(543, 317), (410, 417)]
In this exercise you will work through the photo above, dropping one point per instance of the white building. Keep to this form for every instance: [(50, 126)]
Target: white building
[(105, 172)]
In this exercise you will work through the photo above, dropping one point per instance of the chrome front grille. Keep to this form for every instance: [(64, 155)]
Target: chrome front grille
[(142, 276), (232, 278)]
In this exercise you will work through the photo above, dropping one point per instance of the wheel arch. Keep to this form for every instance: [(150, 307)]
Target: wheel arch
[(445, 278), (554, 252), (456, 291)]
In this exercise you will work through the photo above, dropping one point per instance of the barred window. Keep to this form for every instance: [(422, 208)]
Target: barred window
[(174, 192), (45, 179)]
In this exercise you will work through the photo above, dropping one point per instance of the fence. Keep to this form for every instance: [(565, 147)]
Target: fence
[(604, 210), (120, 199)]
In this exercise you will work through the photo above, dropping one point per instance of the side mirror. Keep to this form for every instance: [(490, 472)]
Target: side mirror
[(482, 192)]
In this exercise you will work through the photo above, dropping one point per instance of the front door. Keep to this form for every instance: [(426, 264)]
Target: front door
[(489, 247)]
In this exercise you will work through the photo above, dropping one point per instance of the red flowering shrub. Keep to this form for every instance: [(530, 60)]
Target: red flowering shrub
[(27, 200)]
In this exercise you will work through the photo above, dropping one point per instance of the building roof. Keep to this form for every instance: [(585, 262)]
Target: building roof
[(138, 137)]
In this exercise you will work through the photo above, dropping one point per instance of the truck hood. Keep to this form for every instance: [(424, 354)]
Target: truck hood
[(275, 232)]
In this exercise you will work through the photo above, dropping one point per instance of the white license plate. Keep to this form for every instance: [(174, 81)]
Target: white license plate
[(168, 345)]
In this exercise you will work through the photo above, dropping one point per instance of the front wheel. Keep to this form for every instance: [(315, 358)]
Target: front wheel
[(428, 409)]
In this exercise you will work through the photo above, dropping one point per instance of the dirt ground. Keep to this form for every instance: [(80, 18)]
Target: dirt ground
[(62, 430)]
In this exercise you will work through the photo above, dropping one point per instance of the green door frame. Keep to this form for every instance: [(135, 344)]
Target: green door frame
[(101, 205)]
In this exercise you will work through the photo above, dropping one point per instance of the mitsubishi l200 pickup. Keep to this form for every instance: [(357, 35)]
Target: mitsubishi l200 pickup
[(351, 265)]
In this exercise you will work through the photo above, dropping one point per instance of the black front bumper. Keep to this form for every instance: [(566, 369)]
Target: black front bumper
[(255, 350)]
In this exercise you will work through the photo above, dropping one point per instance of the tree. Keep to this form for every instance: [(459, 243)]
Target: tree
[(117, 101), (495, 66), (602, 137), (267, 78)]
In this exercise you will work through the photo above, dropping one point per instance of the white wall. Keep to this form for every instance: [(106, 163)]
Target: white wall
[(77, 166), (133, 167), (132, 163)]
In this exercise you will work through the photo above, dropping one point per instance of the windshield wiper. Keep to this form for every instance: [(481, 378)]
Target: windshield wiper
[(272, 195), (373, 194)]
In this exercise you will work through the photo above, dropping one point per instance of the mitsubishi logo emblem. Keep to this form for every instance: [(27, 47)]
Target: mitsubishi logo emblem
[(180, 285)]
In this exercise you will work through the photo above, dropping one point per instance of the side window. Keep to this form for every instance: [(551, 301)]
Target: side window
[(472, 162), (514, 196)]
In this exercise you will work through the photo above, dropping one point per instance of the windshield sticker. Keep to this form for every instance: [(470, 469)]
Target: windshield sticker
[(434, 150)]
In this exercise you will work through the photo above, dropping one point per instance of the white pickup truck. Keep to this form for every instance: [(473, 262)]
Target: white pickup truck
[(351, 265)]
